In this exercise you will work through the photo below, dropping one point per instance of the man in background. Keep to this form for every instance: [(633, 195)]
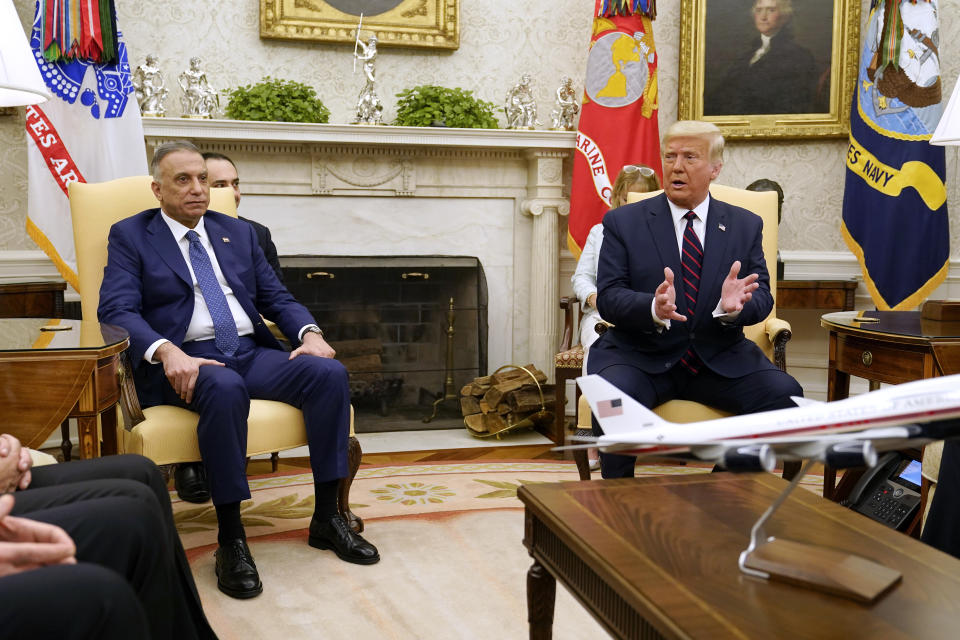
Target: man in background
[(89, 549), (222, 172)]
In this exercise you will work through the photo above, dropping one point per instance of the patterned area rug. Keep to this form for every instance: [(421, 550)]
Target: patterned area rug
[(450, 537)]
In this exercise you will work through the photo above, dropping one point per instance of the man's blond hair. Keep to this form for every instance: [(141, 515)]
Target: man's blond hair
[(696, 129)]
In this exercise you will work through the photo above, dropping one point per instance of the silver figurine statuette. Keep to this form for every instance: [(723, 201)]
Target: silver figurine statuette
[(565, 112), (369, 107), (199, 100), (520, 107), (149, 87)]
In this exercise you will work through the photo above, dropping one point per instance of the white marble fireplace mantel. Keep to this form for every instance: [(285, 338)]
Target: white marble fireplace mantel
[(381, 190)]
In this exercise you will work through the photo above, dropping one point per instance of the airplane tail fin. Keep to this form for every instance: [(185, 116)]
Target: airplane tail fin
[(615, 410)]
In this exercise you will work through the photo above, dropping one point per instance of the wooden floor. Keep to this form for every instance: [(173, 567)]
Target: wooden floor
[(537, 452)]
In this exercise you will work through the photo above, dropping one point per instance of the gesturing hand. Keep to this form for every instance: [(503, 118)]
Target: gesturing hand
[(665, 299), (737, 292), (27, 544), (181, 370)]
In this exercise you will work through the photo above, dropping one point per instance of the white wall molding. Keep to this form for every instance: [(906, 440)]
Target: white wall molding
[(246, 132)]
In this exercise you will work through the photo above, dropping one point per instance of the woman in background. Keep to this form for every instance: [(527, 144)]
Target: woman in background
[(632, 178)]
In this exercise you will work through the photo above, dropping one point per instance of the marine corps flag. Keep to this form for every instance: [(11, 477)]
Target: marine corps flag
[(618, 121), (895, 200)]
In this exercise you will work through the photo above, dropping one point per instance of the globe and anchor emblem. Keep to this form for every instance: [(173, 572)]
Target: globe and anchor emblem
[(617, 70)]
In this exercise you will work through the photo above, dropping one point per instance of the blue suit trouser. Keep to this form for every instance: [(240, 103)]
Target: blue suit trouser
[(317, 386)]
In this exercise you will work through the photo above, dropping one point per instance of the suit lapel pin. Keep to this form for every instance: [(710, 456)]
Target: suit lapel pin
[(722, 228), (225, 239)]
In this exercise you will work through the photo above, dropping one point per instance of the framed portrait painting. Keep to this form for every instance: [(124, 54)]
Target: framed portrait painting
[(769, 68), (432, 24)]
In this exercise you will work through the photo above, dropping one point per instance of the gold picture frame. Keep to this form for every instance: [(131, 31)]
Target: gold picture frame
[(430, 24), (718, 83)]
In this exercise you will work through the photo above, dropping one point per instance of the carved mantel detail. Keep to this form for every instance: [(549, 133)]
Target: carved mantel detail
[(536, 206)]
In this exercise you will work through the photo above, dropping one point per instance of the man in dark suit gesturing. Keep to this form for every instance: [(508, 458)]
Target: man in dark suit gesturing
[(669, 280), (190, 285)]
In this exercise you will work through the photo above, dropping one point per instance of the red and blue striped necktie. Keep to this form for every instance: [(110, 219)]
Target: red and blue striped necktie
[(691, 259)]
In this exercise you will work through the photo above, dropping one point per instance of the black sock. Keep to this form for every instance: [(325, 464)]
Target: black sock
[(325, 498), (228, 517)]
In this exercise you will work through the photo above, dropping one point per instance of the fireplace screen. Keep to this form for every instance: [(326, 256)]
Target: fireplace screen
[(389, 319)]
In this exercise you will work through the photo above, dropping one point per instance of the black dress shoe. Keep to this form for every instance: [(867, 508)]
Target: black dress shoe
[(333, 532), (236, 572), (190, 480)]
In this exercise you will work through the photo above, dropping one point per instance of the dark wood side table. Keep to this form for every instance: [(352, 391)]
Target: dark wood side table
[(657, 558), (884, 347), (48, 376), (816, 294)]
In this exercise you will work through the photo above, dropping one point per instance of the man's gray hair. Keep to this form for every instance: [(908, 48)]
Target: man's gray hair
[(697, 129), (166, 149)]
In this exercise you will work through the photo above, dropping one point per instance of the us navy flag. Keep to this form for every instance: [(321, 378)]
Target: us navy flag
[(895, 200)]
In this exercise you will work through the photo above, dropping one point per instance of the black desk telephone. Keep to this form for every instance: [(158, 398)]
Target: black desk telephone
[(889, 492)]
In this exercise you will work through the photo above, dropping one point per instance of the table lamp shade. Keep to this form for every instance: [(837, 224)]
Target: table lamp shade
[(20, 81), (948, 131)]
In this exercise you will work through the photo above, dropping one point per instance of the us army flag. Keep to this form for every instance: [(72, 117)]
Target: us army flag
[(895, 200), (618, 120), (90, 131)]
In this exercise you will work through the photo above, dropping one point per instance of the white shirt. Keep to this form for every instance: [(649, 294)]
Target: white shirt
[(764, 47), (700, 227), (201, 324), (699, 223)]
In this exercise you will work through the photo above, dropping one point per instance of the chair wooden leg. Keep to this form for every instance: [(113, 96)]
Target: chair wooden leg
[(166, 470), (274, 461), (583, 465), (581, 458), (354, 453), (65, 445), (791, 468)]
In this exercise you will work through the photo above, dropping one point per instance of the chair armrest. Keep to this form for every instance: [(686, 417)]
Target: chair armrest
[(779, 333), (566, 340)]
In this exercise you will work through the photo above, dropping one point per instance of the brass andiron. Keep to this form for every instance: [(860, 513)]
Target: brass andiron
[(448, 393)]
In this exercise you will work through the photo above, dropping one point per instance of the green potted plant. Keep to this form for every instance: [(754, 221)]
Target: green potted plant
[(429, 105), (277, 100)]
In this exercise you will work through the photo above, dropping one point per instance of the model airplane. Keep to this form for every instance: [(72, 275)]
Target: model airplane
[(844, 433)]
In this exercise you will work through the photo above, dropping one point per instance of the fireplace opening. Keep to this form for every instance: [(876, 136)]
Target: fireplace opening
[(410, 330)]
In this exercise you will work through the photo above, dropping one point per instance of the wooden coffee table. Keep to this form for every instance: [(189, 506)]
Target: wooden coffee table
[(657, 558)]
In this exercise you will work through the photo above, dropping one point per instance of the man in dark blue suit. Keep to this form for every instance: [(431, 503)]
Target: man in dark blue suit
[(190, 478), (190, 286), (669, 281)]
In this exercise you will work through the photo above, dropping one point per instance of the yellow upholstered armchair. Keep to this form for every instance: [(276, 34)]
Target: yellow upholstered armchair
[(167, 434), (772, 334)]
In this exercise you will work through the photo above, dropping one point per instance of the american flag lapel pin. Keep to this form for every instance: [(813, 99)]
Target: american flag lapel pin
[(225, 239), (723, 227)]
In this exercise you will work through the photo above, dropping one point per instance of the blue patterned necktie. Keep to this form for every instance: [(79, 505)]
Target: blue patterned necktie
[(224, 328), (691, 259)]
